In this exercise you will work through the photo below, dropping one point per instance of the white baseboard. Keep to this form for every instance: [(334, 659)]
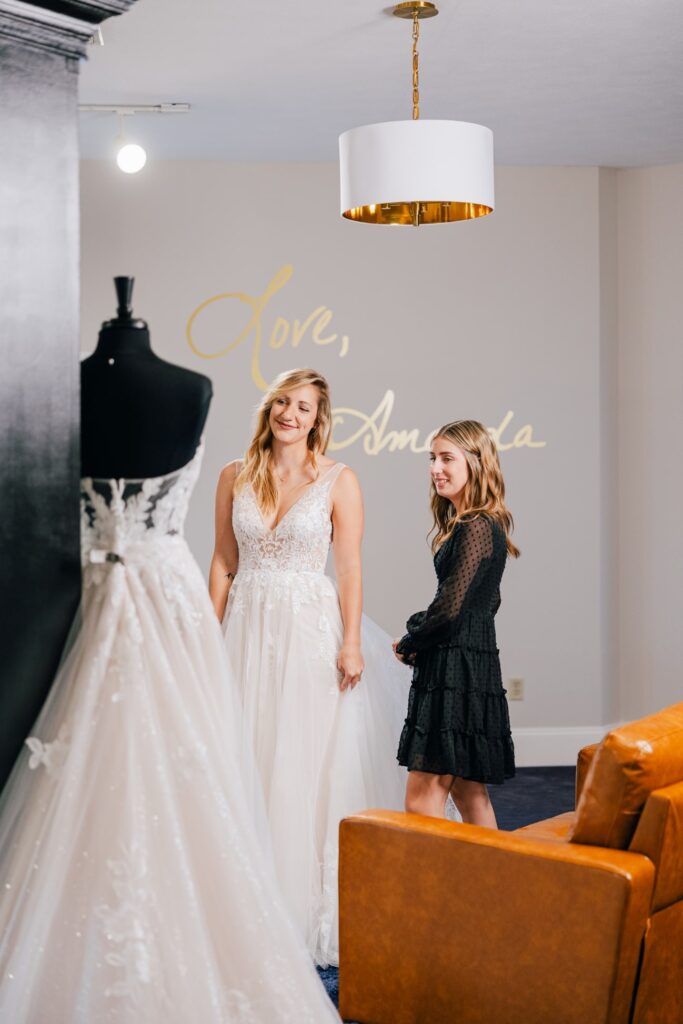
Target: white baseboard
[(536, 747)]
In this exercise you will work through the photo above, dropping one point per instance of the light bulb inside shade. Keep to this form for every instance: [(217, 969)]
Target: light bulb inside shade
[(131, 158)]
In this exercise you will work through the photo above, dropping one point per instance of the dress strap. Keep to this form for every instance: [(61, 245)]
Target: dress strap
[(330, 477)]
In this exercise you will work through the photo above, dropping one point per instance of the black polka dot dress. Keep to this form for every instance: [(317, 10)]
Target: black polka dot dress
[(457, 721)]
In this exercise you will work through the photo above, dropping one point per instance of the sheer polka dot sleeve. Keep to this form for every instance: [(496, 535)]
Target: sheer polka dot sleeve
[(471, 549)]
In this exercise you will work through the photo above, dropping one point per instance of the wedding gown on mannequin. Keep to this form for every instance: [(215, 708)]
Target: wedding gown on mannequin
[(133, 886), (322, 754)]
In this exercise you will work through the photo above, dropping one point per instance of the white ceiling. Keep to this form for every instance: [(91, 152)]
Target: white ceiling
[(597, 82)]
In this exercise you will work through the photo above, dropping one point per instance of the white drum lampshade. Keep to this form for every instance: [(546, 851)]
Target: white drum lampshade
[(416, 172)]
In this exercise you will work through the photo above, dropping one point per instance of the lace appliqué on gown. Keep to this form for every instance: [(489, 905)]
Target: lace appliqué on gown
[(129, 927), (51, 755), (286, 564), (299, 543)]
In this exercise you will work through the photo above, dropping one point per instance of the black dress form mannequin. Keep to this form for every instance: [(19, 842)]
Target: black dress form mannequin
[(140, 416)]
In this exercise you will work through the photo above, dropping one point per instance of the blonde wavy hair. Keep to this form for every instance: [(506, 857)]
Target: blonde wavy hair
[(256, 468), (484, 492)]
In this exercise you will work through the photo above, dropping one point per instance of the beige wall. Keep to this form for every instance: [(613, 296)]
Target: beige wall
[(513, 313), (650, 432), (608, 442)]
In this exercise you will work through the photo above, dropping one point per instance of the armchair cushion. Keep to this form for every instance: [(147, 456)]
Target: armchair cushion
[(629, 764), (556, 828), (660, 837)]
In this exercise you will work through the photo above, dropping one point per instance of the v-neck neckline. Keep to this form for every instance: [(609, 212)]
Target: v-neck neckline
[(307, 488)]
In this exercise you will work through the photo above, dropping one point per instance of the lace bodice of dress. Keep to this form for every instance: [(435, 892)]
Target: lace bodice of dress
[(119, 514), (301, 540)]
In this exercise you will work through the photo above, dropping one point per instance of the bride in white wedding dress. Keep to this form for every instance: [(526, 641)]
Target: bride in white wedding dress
[(133, 887), (324, 699)]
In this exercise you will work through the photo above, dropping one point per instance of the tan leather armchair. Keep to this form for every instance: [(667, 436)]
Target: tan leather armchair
[(573, 920)]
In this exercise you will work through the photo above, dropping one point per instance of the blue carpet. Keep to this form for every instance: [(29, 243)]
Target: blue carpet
[(533, 794), (330, 979)]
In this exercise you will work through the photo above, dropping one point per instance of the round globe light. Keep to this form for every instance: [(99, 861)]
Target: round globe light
[(131, 158)]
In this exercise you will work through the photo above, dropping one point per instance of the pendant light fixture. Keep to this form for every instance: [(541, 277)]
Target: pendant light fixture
[(418, 171), (131, 156)]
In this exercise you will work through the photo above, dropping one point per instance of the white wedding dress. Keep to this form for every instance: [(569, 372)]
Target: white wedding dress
[(322, 754), (133, 887)]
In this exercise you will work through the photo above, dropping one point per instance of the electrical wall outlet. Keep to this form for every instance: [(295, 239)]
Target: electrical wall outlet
[(515, 689)]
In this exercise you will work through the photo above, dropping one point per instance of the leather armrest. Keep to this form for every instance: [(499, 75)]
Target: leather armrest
[(484, 925), (583, 763), (659, 836)]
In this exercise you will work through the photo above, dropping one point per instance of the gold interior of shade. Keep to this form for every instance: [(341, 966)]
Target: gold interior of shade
[(416, 213)]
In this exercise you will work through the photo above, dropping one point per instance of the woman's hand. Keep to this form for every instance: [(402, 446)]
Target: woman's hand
[(350, 664), (226, 552), (410, 660), (347, 530)]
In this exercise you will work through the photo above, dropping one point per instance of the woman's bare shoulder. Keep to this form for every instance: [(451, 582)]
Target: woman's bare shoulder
[(228, 473)]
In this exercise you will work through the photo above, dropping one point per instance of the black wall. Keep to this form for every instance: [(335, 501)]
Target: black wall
[(40, 50)]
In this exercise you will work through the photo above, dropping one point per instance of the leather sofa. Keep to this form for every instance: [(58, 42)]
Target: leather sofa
[(574, 920)]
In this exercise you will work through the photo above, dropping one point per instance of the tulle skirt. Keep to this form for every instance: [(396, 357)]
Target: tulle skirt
[(133, 886), (321, 754)]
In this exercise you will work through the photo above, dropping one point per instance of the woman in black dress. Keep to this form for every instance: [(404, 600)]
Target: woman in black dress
[(456, 736)]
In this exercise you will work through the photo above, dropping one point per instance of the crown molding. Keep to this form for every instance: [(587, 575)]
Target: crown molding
[(87, 10), (59, 27)]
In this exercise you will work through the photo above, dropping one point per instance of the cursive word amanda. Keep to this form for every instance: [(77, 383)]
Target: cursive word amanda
[(373, 430)]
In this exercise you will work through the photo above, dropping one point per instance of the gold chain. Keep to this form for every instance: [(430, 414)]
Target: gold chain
[(416, 81)]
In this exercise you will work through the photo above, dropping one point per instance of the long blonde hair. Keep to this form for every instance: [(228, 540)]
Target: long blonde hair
[(484, 492), (256, 468)]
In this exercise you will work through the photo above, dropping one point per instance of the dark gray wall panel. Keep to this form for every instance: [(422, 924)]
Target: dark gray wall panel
[(39, 364)]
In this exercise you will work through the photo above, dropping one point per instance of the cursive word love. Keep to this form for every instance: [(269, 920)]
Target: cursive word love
[(350, 426), (283, 331)]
